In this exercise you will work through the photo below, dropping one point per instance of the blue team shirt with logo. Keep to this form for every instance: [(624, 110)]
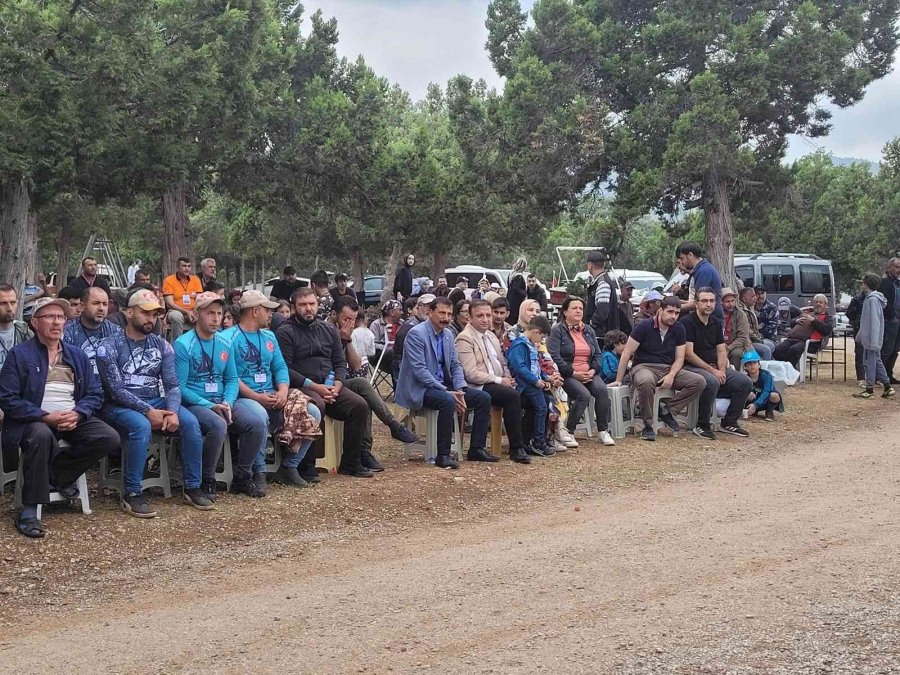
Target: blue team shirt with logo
[(257, 358), (206, 370)]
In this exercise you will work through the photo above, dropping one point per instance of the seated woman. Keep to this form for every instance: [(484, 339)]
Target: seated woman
[(763, 398), (574, 348), (460, 317)]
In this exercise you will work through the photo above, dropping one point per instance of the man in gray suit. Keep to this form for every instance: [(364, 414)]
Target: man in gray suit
[(432, 377)]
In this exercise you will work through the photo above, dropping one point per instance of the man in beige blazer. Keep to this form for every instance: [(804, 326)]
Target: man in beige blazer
[(484, 367)]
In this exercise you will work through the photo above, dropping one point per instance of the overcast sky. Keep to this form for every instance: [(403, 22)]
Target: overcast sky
[(414, 42)]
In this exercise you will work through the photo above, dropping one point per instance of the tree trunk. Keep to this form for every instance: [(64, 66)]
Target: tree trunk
[(390, 271), (356, 272), (63, 250), (14, 204), (31, 271), (177, 228), (440, 264), (243, 279), (719, 240)]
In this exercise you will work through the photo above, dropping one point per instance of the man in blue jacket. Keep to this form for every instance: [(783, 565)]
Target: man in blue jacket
[(49, 392), (432, 377), (703, 275)]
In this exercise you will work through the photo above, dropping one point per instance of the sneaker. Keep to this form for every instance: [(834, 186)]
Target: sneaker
[(259, 479), (402, 434), (208, 488), (356, 471), (136, 505), (444, 462), (370, 461), (288, 475), (668, 418), (864, 394), (533, 451), (648, 433), (197, 499), (704, 432), (734, 430), (247, 487), (565, 437), (861, 384), (541, 446), (557, 446), (606, 439), (888, 392)]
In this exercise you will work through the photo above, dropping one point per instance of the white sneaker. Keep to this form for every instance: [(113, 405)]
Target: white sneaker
[(564, 437), (559, 447), (606, 439)]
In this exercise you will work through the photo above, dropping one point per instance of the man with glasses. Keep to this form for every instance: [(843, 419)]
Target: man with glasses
[(48, 392)]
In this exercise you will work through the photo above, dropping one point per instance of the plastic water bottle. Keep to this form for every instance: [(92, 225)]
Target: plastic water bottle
[(329, 381)]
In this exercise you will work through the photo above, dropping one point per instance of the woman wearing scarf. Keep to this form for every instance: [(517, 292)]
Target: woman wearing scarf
[(403, 279), (574, 348), (516, 289)]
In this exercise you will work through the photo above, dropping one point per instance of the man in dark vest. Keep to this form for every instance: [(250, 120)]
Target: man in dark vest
[(601, 309)]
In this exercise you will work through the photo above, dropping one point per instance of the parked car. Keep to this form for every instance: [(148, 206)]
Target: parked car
[(842, 324), (474, 273), (373, 286)]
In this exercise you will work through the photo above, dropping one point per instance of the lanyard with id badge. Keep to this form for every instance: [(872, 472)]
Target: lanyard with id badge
[(260, 376), (211, 386)]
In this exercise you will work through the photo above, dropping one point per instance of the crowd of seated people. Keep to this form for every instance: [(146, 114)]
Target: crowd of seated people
[(104, 373)]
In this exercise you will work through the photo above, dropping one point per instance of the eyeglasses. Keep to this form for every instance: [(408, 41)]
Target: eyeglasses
[(52, 317)]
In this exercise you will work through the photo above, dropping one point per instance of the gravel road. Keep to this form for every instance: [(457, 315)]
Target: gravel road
[(781, 564)]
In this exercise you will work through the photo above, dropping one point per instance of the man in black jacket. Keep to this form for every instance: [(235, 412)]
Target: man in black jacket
[(534, 291), (601, 306), (312, 350), (890, 289)]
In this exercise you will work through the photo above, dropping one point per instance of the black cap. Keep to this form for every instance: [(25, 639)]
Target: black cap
[(340, 276), (597, 257), (458, 279), (759, 288), (627, 284)]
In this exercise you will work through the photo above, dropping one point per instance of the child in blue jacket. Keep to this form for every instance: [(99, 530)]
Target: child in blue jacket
[(531, 382), (763, 398), (613, 346)]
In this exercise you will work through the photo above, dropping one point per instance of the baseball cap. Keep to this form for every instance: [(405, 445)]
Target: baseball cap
[(759, 288), (256, 299), (784, 303), (206, 299), (728, 291), (750, 356), (653, 296), (427, 299), (144, 299), (466, 279), (597, 257), (627, 284), (40, 303)]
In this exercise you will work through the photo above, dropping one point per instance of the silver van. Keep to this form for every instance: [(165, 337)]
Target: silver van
[(798, 276)]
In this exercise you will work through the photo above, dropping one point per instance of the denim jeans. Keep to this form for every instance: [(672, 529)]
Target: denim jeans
[(251, 421), (134, 428), (214, 429), (534, 399)]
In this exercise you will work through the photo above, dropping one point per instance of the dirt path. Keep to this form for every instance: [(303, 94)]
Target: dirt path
[(785, 563)]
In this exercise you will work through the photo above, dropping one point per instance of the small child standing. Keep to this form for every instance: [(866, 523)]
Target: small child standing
[(531, 382), (763, 398), (871, 335), (613, 346)]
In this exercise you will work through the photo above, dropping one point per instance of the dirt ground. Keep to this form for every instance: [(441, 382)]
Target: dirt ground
[(776, 553)]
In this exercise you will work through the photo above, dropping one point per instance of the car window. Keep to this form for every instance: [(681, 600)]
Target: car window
[(814, 279), (374, 284), (745, 274), (778, 278)]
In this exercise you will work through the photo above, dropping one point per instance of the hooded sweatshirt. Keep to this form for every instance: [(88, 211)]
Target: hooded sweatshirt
[(871, 323)]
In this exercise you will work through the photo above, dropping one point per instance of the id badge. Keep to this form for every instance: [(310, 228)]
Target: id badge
[(260, 378), (96, 369), (186, 299), (212, 387)]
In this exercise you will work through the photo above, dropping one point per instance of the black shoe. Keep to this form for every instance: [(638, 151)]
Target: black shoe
[(480, 455), (194, 497), (704, 432), (259, 479), (402, 434), (288, 475), (208, 488), (356, 471), (668, 418), (68, 491), (247, 487), (444, 462), (519, 455), (734, 430), (136, 504), (370, 461), (894, 380), (648, 433), (311, 477), (30, 527)]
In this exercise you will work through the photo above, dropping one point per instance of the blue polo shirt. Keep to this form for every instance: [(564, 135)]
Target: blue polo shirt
[(705, 275), (653, 348)]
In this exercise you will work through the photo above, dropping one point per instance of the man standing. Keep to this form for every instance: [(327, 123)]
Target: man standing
[(12, 331), (767, 314), (626, 309), (92, 327), (88, 277), (48, 392), (485, 368), (314, 355), (601, 306), (870, 335), (319, 283), (286, 285), (737, 328), (135, 366), (706, 354), (703, 275), (656, 347), (432, 377), (180, 290), (208, 273), (890, 289), (341, 289), (534, 291), (442, 290)]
